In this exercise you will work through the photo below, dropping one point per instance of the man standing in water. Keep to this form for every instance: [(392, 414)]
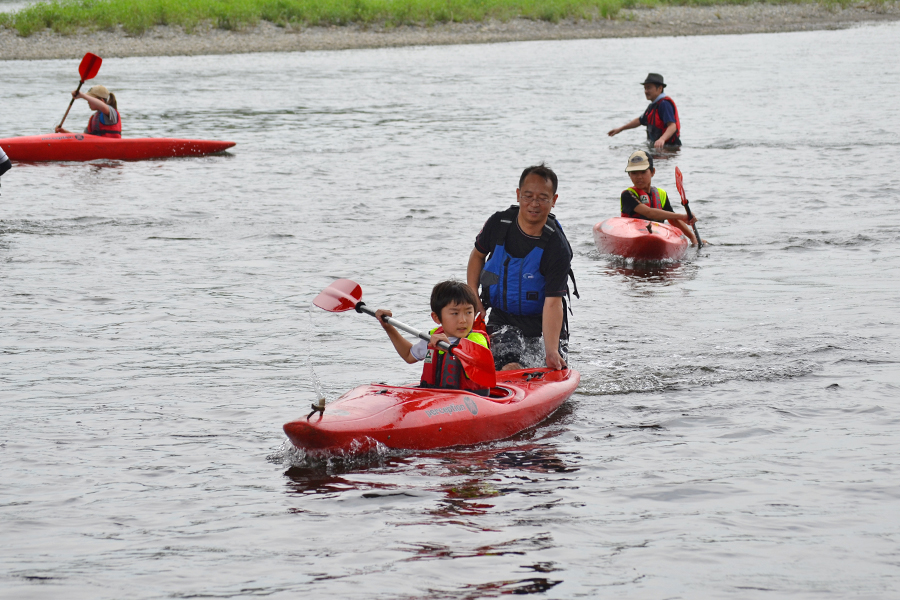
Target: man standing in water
[(521, 261), (660, 118)]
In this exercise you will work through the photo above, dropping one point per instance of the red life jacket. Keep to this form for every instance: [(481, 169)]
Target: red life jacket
[(96, 127), (655, 198), (655, 121), (443, 370)]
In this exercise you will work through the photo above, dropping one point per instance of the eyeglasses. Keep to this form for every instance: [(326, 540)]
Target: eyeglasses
[(532, 200)]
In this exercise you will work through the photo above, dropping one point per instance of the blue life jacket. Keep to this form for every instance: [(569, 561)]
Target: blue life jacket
[(516, 285)]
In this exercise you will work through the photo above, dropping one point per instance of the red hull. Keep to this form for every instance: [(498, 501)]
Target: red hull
[(422, 419), (630, 238), (81, 147)]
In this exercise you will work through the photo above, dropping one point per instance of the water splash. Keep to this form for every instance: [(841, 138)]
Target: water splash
[(317, 385)]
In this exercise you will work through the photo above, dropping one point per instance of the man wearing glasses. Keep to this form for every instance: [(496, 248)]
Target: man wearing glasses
[(522, 260)]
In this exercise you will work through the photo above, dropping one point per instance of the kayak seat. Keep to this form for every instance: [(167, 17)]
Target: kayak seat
[(500, 393)]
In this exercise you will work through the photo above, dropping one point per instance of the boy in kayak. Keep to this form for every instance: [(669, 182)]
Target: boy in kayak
[(643, 201), (660, 118), (453, 308), (105, 120)]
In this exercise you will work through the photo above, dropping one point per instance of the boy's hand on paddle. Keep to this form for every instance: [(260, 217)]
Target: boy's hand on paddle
[(438, 337), (380, 314)]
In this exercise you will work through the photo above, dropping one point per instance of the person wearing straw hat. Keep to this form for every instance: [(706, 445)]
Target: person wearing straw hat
[(660, 118), (105, 121)]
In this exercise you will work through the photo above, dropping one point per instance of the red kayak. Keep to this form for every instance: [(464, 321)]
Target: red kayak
[(421, 419), (82, 146), (640, 239)]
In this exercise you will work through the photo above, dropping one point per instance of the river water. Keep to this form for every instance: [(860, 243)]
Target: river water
[(734, 435)]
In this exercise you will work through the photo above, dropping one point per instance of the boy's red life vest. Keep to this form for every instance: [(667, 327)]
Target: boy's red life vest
[(443, 370), (655, 121), (655, 198), (97, 127)]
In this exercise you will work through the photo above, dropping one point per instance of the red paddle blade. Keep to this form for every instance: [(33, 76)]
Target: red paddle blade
[(679, 183), (340, 296), (89, 66), (477, 361)]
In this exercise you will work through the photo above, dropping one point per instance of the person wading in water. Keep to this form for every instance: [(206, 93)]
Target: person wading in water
[(660, 118)]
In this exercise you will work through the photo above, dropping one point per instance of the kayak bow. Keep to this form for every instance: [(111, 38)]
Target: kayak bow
[(640, 239)]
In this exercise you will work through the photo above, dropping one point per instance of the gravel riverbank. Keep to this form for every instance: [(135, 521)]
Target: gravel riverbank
[(664, 21)]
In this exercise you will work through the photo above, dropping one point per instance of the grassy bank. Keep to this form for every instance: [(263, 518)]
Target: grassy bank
[(136, 16)]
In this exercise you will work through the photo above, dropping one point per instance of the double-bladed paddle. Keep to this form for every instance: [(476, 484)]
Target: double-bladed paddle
[(477, 361), (88, 69), (684, 202)]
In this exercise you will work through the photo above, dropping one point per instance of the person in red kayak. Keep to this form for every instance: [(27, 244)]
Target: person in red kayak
[(453, 308), (660, 118), (105, 121), (643, 201)]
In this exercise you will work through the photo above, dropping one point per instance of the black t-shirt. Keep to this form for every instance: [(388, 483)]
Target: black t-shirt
[(630, 202), (555, 263)]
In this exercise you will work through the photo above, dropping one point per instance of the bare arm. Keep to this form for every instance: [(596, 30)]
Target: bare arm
[(669, 132), (473, 274), (685, 230), (552, 324), (402, 345), (95, 103), (629, 125), (661, 215)]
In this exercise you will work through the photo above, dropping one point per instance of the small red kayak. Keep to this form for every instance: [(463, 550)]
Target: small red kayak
[(422, 419), (640, 239), (82, 146)]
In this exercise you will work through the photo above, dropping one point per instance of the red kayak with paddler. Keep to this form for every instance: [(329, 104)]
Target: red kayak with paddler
[(102, 138), (422, 418)]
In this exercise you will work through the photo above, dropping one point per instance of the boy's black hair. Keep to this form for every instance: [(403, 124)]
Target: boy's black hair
[(542, 170), (451, 292)]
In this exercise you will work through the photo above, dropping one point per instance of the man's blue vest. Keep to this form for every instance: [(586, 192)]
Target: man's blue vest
[(516, 285)]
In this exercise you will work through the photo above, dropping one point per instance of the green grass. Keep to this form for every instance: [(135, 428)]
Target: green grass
[(136, 16)]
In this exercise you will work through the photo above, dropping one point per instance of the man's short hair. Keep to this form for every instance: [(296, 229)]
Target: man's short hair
[(451, 292), (542, 170)]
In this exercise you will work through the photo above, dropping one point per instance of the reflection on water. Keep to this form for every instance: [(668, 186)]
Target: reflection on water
[(156, 334)]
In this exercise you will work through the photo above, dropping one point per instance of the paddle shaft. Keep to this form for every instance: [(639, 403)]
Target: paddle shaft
[(679, 183), (362, 308), (81, 83), (691, 217)]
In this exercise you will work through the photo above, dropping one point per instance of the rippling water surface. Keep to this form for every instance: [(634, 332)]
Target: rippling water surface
[(735, 431)]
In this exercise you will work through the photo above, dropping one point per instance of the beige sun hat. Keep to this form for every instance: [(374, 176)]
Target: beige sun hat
[(639, 161), (99, 91)]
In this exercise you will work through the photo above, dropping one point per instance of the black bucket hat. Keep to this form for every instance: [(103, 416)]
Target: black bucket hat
[(654, 78)]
